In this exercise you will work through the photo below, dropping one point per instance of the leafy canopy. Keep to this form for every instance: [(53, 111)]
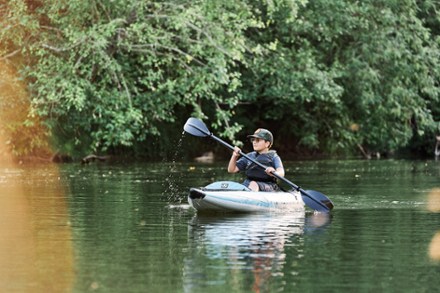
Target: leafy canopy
[(337, 74)]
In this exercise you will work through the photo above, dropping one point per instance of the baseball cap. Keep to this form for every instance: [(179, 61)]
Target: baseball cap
[(263, 134)]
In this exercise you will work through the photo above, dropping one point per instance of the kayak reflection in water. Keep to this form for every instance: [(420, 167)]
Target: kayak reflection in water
[(257, 255), (258, 179)]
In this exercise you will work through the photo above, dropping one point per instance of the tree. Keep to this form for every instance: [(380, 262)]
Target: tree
[(339, 75), (105, 74), (347, 74)]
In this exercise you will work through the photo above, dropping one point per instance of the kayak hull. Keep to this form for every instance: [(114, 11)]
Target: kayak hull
[(227, 196)]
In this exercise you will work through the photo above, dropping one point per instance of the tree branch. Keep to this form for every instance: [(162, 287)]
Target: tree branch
[(61, 50), (7, 56), (210, 39), (139, 48)]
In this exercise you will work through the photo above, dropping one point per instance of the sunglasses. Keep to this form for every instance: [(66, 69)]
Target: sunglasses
[(257, 140)]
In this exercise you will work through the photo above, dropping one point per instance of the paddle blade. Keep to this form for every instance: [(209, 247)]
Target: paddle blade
[(317, 201), (196, 127)]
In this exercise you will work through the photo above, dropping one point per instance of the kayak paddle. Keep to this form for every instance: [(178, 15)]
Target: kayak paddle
[(313, 199)]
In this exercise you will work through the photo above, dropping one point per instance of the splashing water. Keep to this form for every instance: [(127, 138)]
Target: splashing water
[(173, 181)]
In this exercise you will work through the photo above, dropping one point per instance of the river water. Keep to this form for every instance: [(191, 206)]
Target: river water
[(128, 228)]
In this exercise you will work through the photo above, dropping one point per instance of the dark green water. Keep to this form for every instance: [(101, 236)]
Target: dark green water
[(128, 228)]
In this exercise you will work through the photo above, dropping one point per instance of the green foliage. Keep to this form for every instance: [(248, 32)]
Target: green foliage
[(347, 73), (114, 71), (337, 75)]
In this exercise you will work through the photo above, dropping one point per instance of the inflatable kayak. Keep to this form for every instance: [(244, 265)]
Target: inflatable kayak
[(228, 196)]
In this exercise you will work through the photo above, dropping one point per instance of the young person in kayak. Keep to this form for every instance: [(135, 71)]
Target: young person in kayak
[(257, 178)]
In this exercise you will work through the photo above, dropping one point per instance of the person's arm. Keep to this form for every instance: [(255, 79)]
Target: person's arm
[(232, 166), (280, 171), (279, 168)]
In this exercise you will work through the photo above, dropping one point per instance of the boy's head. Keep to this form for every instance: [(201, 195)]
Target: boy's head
[(263, 134)]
